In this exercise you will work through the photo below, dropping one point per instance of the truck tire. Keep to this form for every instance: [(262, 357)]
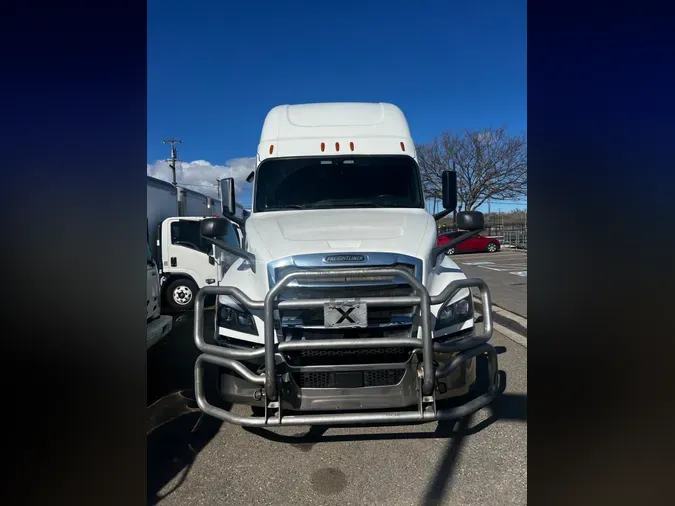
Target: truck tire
[(180, 294)]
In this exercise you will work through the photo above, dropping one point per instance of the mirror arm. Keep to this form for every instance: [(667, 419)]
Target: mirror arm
[(442, 249), (442, 214), (249, 257)]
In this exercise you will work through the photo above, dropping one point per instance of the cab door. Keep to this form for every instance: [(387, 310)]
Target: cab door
[(189, 254)]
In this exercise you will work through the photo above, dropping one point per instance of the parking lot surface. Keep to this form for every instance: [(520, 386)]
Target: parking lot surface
[(481, 460), (505, 272)]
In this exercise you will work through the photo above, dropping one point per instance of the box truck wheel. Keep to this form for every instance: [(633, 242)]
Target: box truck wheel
[(180, 294)]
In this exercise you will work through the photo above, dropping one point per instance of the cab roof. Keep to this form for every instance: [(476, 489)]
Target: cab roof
[(335, 128)]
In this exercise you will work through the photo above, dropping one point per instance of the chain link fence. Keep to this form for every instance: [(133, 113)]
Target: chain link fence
[(510, 235)]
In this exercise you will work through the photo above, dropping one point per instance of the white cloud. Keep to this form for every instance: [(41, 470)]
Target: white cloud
[(201, 175)]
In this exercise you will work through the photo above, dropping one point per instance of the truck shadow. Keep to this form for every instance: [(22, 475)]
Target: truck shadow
[(176, 430), (506, 407), (172, 449)]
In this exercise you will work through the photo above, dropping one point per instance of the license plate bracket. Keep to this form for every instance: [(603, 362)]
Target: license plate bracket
[(345, 314)]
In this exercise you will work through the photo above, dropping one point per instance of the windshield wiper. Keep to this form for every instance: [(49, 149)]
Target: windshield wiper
[(365, 204)]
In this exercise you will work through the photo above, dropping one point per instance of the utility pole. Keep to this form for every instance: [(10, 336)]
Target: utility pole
[(174, 157), (218, 187)]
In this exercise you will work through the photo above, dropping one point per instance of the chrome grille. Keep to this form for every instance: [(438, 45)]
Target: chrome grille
[(377, 316), (280, 272), (348, 288)]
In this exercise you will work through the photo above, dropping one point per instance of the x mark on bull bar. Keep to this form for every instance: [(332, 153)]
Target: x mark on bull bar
[(345, 315), (344, 312)]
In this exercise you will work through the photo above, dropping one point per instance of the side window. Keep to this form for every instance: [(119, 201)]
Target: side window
[(186, 233)]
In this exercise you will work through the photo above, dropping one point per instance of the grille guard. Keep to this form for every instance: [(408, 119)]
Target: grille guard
[(467, 347)]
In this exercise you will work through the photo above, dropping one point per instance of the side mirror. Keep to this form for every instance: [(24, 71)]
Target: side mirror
[(214, 227), (470, 220), (227, 191), (449, 179)]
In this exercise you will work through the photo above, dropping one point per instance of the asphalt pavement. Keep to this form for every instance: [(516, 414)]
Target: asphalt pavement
[(505, 272), (481, 460)]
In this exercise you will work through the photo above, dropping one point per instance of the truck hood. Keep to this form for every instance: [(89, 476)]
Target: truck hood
[(274, 235)]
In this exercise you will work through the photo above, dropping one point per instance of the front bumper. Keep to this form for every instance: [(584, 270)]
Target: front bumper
[(278, 393)]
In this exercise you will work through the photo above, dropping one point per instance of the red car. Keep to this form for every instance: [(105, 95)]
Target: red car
[(475, 243)]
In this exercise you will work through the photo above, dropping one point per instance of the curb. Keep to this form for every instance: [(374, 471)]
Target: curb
[(509, 324)]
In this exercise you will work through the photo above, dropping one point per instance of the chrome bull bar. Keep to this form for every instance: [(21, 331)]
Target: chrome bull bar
[(467, 348)]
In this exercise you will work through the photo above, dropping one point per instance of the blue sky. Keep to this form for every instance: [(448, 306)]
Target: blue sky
[(215, 68)]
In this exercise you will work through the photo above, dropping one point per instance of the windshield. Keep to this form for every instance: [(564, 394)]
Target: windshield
[(338, 182)]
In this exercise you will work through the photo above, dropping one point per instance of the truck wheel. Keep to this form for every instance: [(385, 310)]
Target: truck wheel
[(180, 294), (491, 247)]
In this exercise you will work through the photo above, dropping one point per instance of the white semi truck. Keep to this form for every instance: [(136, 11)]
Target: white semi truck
[(164, 203), (185, 262), (340, 307)]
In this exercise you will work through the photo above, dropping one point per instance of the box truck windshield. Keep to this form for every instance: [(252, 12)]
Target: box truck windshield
[(338, 182)]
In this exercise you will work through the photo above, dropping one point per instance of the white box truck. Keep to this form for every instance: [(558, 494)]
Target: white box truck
[(185, 262), (340, 307)]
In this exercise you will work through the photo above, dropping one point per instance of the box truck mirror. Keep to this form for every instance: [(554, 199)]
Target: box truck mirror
[(214, 227)]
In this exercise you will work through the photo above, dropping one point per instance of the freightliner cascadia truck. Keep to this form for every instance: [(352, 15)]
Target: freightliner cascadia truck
[(340, 307)]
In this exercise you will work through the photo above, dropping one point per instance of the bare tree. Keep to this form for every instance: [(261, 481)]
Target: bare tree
[(490, 164)]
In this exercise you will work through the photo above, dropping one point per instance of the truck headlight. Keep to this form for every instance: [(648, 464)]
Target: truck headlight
[(452, 314), (233, 319)]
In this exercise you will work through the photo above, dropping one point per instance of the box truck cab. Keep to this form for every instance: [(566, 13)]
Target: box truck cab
[(185, 262), (340, 307), (190, 263)]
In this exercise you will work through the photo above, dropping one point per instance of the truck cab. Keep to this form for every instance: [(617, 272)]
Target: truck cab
[(340, 306), (190, 263)]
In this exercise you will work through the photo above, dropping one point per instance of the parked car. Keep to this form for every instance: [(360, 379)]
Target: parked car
[(476, 243)]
